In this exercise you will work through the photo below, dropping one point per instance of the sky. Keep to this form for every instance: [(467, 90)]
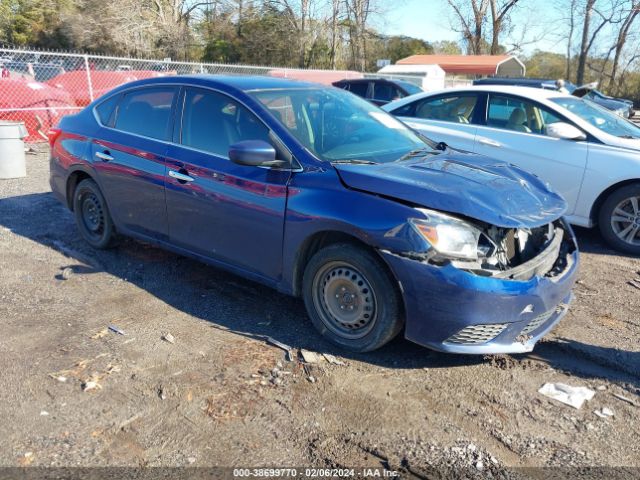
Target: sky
[(430, 20)]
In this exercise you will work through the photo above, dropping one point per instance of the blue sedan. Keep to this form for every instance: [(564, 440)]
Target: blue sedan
[(319, 194)]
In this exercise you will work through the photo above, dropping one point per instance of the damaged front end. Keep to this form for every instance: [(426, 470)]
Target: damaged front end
[(472, 287), (492, 251)]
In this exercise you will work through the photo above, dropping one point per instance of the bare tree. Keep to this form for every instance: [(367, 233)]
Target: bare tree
[(470, 20), (358, 12), (335, 17), (598, 18), (500, 11), (621, 39)]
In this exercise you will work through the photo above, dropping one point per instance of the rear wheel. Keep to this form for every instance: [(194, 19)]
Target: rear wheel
[(92, 215), (619, 219), (351, 298)]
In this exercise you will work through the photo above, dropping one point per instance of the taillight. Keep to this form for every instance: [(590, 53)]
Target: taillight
[(53, 135)]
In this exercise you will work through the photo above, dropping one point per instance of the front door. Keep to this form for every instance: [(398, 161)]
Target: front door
[(514, 132), (216, 208)]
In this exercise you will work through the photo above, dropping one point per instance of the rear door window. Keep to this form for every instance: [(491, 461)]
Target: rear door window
[(359, 88), (106, 110), (385, 92), (146, 112)]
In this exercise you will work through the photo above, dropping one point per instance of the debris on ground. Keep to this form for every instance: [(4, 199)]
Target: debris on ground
[(91, 384), (167, 337), (283, 346), (604, 412), (572, 396), (44, 413), (311, 378), (635, 283), (100, 334), (161, 394), (113, 369), (117, 330), (333, 360), (625, 399), (66, 273), (310, 357), (26, 459)]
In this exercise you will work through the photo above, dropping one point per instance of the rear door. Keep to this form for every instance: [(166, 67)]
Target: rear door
[(228, 212), (444, 118), (129, 158), (514, 132)]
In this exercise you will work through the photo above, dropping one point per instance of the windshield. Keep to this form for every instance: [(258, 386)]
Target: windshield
[(336, 125), (599, 117)]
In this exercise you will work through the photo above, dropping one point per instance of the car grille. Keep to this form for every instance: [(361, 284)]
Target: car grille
[(476, 334), (537, 322)]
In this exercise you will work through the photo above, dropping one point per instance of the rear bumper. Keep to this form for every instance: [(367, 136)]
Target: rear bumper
[(451, 310)]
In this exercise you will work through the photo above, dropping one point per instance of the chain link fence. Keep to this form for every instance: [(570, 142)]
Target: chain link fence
[(39, 87)]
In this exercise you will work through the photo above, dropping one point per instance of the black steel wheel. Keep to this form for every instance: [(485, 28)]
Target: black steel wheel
[(92, 215), (351, 298)]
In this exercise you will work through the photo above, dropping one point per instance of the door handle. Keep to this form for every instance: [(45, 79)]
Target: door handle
[(181, 177), (491, 143), (104, 156)]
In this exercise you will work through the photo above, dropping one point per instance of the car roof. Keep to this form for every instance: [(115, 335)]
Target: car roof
[(532, 92), (244, 83)]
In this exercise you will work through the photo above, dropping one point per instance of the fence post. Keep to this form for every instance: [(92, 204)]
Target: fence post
[(88, 70)]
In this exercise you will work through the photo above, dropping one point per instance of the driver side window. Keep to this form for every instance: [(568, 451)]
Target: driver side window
[(519, 115), (212, 122)]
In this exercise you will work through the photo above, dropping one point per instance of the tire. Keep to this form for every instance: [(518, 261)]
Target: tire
[(619, 219), (351, 298), (92, 215)]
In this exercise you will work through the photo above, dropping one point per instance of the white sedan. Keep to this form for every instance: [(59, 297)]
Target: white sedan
[(588, 154)]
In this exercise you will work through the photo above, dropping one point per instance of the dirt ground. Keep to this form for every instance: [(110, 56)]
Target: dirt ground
[(220, 394)]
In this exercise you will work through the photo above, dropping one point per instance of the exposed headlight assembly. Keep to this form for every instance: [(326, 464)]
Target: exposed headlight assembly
[(451, 237)]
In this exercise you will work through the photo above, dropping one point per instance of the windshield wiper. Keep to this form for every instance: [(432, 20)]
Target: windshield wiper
[(418, 152), (628, 136), (356, 161)]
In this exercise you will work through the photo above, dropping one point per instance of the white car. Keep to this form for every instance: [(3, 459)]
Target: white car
[(589, 155)]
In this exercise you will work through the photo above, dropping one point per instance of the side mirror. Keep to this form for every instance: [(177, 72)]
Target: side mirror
[(254, 153), (564, 131)]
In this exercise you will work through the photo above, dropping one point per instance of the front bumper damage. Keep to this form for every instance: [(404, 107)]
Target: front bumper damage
[(451, 309)]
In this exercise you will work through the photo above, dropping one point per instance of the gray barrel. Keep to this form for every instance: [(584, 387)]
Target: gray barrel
[(12, 162)]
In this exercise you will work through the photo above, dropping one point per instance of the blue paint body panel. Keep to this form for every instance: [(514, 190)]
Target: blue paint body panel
[(257, 221)]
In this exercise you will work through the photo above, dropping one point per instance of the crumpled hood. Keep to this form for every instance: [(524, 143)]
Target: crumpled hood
[(472, 185)]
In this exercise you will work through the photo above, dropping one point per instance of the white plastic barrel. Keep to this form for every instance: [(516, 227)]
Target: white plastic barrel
[(12, 161)]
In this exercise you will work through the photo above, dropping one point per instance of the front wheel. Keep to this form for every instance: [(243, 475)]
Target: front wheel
[(619, 219), (351, 298), (92, 215)]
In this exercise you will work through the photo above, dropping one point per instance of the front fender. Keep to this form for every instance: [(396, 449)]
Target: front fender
[(319, 202)]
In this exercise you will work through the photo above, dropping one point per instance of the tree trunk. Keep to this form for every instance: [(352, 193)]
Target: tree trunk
[(570, 39), (620, 42), (584, 44)]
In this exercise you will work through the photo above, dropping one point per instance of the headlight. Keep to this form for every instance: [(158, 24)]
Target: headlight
[(623, 112), (448, 235)]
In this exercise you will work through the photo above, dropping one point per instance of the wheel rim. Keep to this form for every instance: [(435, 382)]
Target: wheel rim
[(625, 220), (344, 299), (92, 215)]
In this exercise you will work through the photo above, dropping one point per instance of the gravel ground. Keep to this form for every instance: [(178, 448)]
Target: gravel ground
[(220, 394)]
